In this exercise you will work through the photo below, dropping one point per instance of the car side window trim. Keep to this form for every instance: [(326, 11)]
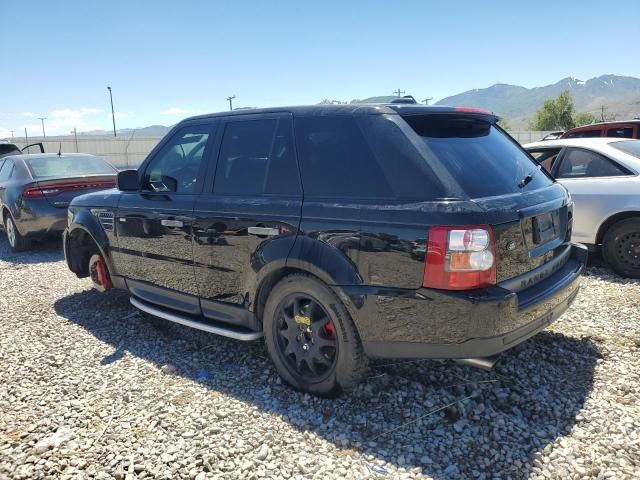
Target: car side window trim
[(563, 154)]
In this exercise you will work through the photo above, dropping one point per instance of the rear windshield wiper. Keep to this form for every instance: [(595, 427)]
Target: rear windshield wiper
[(525, 181)]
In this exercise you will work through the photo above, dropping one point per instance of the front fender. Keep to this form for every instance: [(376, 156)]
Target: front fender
[(83, 220)]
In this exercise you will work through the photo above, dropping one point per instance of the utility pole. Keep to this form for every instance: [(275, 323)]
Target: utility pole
[(399, 92), (26, 136), (11, 133), (42, 119), (603, 113), (113, 115), (427, 100), (230, 100), (75, 135)]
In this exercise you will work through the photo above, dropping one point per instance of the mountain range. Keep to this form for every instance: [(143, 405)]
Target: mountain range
[(620, 97)]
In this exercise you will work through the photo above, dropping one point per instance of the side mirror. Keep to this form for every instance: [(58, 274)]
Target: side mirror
[(127, 181)]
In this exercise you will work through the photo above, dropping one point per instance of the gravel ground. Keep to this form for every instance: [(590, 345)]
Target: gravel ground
[(138, 398)]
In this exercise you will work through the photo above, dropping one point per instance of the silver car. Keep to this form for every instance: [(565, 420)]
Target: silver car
[(602, 176)]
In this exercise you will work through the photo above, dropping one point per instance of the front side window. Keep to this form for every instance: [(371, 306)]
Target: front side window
[(581, 163), (257, 157), (6, 170), (176, 168), (621, 132)]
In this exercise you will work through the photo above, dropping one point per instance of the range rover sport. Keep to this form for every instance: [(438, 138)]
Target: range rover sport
[(303, 225)]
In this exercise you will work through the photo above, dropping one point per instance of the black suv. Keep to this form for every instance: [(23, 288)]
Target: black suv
[(302, 225)]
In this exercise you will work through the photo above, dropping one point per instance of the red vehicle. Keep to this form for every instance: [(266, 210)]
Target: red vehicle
[(626, 129)]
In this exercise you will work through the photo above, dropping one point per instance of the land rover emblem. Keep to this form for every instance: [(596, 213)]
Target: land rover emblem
[(511, 245)]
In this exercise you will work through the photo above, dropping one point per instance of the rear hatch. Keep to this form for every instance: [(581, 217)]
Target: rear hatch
[(528, 211)]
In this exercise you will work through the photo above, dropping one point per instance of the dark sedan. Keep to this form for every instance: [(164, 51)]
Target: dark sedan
[(35, 191)]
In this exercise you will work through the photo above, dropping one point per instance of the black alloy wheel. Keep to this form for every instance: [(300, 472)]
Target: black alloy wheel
[(311, 337), (306, 337)]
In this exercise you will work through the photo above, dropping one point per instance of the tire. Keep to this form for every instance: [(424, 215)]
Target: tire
[(348, 361), (621, 247), (16, 241)]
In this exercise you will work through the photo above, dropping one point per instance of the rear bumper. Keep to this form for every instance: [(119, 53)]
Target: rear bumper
[(427, 323), (38, 218)]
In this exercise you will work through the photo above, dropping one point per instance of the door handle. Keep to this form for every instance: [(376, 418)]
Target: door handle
[(172, 223), (263, 231)]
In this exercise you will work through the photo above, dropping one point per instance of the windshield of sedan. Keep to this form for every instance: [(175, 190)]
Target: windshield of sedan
[(631, 147), (61, 166)]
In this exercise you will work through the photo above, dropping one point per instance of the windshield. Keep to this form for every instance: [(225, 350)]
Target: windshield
[(482, 159), (631, 147), (68, 166)]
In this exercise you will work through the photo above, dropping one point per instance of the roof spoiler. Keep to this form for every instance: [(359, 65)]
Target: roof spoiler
[(406, 99)]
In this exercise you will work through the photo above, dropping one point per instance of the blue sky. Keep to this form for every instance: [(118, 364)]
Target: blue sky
[(166, 60)]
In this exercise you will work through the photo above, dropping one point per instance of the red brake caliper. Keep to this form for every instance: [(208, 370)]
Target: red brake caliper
[(103, 275), (330, 330)]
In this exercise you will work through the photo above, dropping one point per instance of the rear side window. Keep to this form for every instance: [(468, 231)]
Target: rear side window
[(257, 157), (585, 134), (482, 159), (581, 163), (623, 132), (336, 160), (6, 171)]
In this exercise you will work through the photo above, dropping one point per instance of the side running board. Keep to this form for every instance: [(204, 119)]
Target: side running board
[(183, 320)]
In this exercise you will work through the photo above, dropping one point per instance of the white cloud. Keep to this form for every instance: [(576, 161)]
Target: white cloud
[(176, 111), (5, 132), (69, 113), (121, 114), (28, 114)]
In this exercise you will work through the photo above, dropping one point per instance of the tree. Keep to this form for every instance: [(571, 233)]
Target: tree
[(555, 114), (583, 118), (504, 124)]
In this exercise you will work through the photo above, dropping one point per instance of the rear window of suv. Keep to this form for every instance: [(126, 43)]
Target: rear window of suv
[(480, 157)]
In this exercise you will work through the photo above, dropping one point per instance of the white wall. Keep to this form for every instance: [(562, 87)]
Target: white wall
[(121, 152)]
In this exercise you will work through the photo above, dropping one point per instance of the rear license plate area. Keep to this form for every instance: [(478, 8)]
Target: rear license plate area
[(546, 227)]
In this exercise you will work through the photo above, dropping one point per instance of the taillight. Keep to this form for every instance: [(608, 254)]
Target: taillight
[(460, 258), (52, 190), (472, 110)]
